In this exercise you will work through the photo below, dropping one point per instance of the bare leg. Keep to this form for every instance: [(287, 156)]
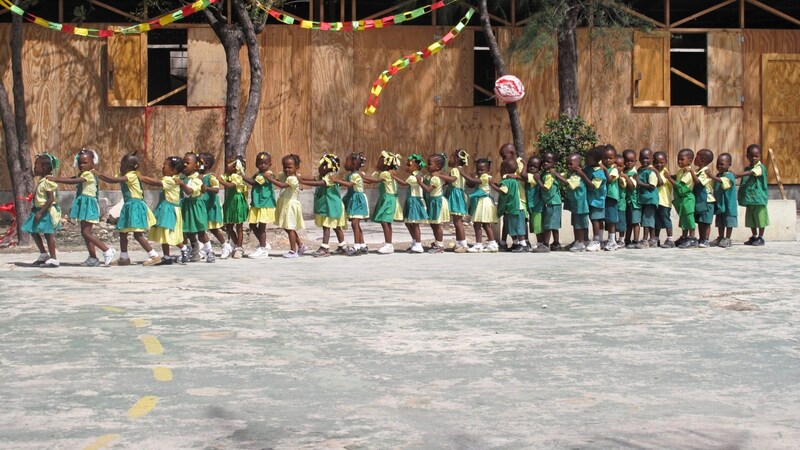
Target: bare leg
[(387, 232), (339, 234), (51, 245), (478, 232), (218, 234), (239, 234), (139, 236), (37, 238), (91, 239), (358, 234), (261, 234), (438, 233), (292, 240), (555, 237), (326, 235), (487, 227), (165, 249), (123, 242), (728, 232), (458, 222)]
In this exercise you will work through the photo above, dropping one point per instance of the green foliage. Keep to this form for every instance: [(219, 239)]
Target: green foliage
[(549, 19), (566, 135)]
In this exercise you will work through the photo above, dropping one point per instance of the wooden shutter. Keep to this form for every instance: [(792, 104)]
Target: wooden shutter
[(725, 69), (651, 69), (207, 69), (126, 71), (780, 113)]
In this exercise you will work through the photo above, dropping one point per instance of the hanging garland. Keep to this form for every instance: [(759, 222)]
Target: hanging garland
[(159, 22), (357, 25), (402, 63)]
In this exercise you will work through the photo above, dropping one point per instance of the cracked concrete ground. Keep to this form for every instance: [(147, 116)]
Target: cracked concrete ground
[(632, 349)]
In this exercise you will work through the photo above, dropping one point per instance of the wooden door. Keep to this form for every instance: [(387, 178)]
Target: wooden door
[(780, 113), (651, 64), (207, 69), (126, 71), (725, 69)]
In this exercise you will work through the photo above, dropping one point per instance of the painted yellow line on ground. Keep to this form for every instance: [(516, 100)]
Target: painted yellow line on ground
[(142, 407), (162, 373), (102, 442), (113, 309), (140, 323), (151, 344)]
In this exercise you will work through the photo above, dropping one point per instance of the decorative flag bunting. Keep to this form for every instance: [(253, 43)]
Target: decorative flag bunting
[(159, 22), (402, 63), (358, 25)]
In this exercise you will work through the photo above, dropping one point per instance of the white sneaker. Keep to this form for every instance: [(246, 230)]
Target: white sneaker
[(51, 263), (593, 246), (611, 246), (203, 253), (417, 248), (226, 251), (258, 253), (108, 256), (386, 249), (267, 247), (477, 248), (43, 257), (492, 247)]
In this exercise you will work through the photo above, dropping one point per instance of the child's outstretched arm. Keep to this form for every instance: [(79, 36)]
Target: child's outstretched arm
[(746, 173), (473, 181), (150, 181), (272, 179), (110, 179), (399, 180), (585, 178), (498, 188), (185, 188), (71, 180), (310, 181), (537, 177), (225, 183), (425, 187), (659, 179), (343, 182), (445, 177), (369, 179), (559, 177), (645, 185)]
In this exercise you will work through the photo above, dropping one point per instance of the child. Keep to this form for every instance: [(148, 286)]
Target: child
[(169, 221), (355, 202), (193, 208), (727, 209), (535, 203), (45, 217), (456, 198), (622, 204), (135, 217), (753, 195), (509, 152), (551, 197), (576, 201), (216, 220), (328, 206), (262, 204), (683, 185), (387, 208), (704, 196), (596, 193), (234, 210), (664, 210), (482, 207), (85, 208), (612, 197), (289, 211), (509, 205), (648, 184), (437, 207), (633, 210), (414, 210)]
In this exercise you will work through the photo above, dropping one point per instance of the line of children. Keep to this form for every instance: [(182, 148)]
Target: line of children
[(608, 193)]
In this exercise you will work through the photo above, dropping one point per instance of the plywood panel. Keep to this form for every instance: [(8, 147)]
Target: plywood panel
[(332, 93), (725, 68), (284, 121), (651, 64), (207, 69), (478, 130), (780, 111), (717, 129), (175, 130), (585, 74), (541, 90), (756, 43), (455, 74), (127, 70), (404, 122), (616, 120)]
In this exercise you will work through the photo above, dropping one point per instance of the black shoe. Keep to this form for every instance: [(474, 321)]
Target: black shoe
[(520, 249), (751, 241), (166, 261), (759, 242), (680, 241), (503, 247)]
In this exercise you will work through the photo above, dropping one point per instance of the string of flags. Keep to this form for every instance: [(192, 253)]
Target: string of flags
[(153, 24), (383, 79)]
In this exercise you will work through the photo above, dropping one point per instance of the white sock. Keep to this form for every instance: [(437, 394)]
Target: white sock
[(462, 243), (523, 242), (152, 253), (669, 238), (182, 247), (343, 244), (492, 242), (207, 246), (123, 255), (612, 239), (440, 243)]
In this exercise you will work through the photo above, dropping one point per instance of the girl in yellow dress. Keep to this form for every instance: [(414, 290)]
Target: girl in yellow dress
[(456, 198), (289, 211), (438, 210), (415, 211), (482, 207), (262, 204), (328, 205), (85, 208), (169, 221), (135, 217)]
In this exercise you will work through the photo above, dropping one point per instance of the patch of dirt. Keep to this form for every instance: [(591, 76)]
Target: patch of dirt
[(734, 305)]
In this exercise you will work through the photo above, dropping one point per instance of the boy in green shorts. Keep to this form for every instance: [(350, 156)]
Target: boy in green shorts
[(727, 211), (633, 213), (535, 204), (551, 198), (664, 210), (648, 197), (753, 195), (704, 196), (682, 186), (576, 202), (509, 206)]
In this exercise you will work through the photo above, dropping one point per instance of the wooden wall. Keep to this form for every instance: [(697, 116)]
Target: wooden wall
[(316, 85)]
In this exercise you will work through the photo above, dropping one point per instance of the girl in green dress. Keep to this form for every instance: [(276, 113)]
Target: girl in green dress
[(415, 211), (193, 208), (387, 209), (438, 210), (355, 202), (45, 217), (262, 204), (456, 197), (328, 206), (210, 195), (235, 208)]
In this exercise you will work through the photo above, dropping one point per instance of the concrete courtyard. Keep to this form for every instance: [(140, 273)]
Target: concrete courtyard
[(632, 349)]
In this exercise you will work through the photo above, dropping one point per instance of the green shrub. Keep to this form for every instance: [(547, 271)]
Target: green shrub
[(566, 135)]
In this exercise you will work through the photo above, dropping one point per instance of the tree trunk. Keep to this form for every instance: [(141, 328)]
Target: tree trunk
[(16, 130), (568, 62), (500, 67), (231, 43), (250, 115)]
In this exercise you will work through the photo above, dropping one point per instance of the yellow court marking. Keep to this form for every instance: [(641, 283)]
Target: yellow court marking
[(151, 344), (142, 407), (113, 309), (102, 442), (162, 373), (140, 323)]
